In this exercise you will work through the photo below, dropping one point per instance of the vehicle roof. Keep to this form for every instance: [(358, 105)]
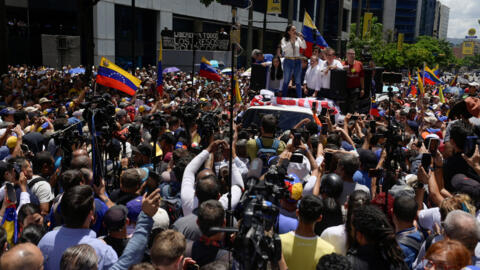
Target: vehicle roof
[(283, 108)]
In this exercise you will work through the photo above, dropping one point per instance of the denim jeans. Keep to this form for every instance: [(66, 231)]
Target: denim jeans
[(292, 67)]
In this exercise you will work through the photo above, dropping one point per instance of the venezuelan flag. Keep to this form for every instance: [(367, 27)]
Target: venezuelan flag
[(436, 71), (113, 76), (311, 35), (454, 81), (431, 78), (413, 91), (409, 79), (159, 71), (440, 94), (9, 223), (238, 95), (420, 82), (207, 71), (374, 108)]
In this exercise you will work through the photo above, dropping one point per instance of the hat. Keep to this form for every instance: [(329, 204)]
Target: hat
[(115, 217), (134, 208), (121, 112), (144, 149), (44, 100), (12, 142), (464, 184), (7, 111), (161, 220), (136, 174), (30, 109), (294, 187), (78, 113), (473, 106)]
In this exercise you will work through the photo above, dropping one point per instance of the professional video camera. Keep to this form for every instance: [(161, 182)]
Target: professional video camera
[(68, 137), (99, 113), (257, 243), (154, 123)]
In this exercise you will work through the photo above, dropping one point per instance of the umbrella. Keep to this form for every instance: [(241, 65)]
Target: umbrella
[(214, 63), (77, 70), (385, 89), (171, 69), (453, 90), (247, 73), (227, 71)]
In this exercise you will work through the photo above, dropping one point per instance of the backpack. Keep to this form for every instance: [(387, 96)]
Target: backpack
[(265, 153), (34, 181), (410, 242)]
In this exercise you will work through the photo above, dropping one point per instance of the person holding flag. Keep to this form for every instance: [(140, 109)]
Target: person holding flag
[(292, 64)]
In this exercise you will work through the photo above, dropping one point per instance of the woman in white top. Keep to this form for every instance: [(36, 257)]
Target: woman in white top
[(292, 64)]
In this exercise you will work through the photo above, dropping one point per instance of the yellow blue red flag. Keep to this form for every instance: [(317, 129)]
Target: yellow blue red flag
[(113, 76)]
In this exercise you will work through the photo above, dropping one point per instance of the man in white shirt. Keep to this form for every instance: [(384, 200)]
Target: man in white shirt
[(311, 84), (330, 64)]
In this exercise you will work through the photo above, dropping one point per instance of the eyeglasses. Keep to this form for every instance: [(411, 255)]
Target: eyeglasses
[(430, 264)]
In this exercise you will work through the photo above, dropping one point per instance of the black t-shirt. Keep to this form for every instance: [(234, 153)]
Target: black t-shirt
[(457, 165), (117, 244)]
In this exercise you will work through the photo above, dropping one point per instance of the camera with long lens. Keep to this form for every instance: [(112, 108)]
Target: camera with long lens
[(257, 244)]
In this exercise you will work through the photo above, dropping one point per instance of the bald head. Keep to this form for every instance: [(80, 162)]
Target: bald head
[(22, 257)]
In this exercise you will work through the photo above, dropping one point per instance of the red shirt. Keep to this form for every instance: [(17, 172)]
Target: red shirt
[(354, 73)]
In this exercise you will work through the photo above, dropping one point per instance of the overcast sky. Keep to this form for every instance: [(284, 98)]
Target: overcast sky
[(464, 14)]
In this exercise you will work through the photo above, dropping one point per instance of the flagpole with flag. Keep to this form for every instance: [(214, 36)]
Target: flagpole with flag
[(420, 82), (311, 35), (207, 71), (111, 75), (160, 71)]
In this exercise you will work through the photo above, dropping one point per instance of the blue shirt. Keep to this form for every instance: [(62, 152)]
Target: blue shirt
[(362, 177), (286, 224), (54, 243)]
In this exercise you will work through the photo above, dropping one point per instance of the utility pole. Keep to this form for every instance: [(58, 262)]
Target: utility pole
[(340, 26), (321, 16), (290, 12), (264, 30), (133, 37), (359, 14), (249, 36), (85, 22), (3, 39)]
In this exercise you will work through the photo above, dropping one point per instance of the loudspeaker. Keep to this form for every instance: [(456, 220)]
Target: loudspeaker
[(338, 83), (258, 77), (378, 79)]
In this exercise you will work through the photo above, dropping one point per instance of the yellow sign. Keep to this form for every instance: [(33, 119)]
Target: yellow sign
[(468, 47), (274, 6), (400, 41), (367, 24), (471, 32)]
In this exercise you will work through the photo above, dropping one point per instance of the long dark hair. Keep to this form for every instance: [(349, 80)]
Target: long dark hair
[(356, 200), (278, 74), (286, 35), (373, 224)]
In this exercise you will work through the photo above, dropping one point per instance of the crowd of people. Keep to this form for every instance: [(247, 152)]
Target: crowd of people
[(397, 187)]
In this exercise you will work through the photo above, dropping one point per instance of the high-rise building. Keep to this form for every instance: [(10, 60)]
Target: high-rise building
[(442, 14), (413, 18)]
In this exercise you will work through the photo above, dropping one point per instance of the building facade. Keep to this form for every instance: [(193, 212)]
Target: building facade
[(441, 20), (114, 31)]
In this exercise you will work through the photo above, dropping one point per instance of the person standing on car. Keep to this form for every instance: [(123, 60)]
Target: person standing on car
[(355, 82), (292, 64)]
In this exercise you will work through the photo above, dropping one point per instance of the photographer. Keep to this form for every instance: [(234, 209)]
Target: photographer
[(266, 142), (189, 201)]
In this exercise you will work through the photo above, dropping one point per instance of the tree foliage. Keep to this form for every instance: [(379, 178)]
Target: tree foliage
[(426, 49)]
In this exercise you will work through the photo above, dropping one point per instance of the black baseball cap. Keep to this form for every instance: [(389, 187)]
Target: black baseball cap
[(115, 217)]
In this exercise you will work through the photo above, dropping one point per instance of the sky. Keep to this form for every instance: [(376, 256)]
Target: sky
[(464, 14)]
